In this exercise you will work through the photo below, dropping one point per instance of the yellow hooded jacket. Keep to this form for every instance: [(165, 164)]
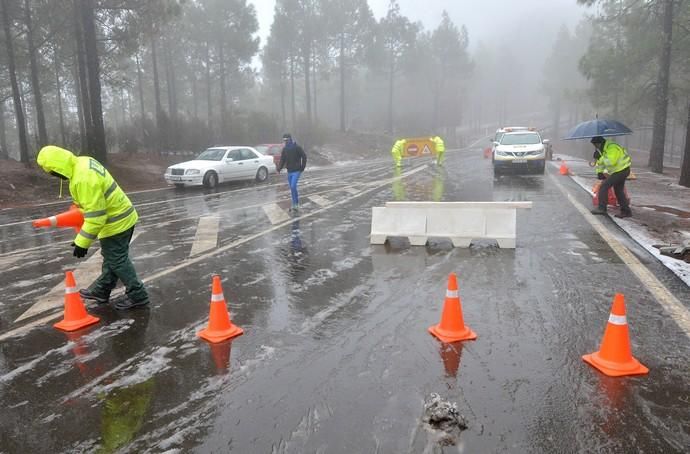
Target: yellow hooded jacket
[(107, 209)]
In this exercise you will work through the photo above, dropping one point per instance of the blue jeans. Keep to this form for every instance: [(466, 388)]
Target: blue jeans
[(293, 178)]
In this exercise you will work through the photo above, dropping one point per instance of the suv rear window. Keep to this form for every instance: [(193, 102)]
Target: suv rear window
[(521, 139)]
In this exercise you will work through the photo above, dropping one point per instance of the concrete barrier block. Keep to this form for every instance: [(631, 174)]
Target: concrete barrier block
[(385, 223)]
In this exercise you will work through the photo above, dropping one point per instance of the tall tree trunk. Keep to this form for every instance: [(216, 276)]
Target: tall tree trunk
[(391, 79), (209, 104), (157, 95), (341, 60), (142, 106), (16, 97), (172, 86), (685, 166), (80, 103), (94, 75), (223, 92), (292, 90), (306, 57), (314, 84), (4, 152), (656, 154), (556, 118), (83, 92), (35, 85), (58, 87), (195, 94), (283, 119)]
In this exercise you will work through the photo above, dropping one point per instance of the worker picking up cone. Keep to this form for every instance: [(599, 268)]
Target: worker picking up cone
[(452, 326), (75, 316), (70, 218), (220, 327), (614, 357)]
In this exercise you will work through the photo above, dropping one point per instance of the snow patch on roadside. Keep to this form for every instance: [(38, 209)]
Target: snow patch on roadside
[(645, 239)]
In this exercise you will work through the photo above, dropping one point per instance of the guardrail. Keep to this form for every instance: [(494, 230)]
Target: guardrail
[(462, 222)]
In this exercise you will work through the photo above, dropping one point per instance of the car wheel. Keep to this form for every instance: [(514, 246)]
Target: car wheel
[(261, 174), (179, 185), (541, 168), (211, 179), (497, 171)]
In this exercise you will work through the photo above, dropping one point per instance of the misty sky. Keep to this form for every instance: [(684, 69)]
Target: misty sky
[(486, 20)]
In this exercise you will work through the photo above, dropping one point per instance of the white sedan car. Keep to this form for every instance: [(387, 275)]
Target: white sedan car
[(219, 164)]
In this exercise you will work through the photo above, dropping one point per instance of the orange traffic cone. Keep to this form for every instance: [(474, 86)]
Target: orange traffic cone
[(70, 218), (614, 357), (76, 316), (219, 326), (452, 327), (564, 170)]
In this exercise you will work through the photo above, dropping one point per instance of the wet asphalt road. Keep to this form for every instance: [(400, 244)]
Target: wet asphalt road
[(336, 356)]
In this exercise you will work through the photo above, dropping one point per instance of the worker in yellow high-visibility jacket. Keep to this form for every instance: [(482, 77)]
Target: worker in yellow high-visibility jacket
[(398, 150), (440, 148), (108, 216)]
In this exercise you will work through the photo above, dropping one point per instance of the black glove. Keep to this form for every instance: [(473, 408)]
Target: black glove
[(596, 155), (79, 252), (601, 176)]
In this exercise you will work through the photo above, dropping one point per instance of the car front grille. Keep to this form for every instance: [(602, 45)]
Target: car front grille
[(177, 171)]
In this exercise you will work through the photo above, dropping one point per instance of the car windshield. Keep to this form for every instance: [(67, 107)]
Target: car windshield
[(263, 149), (498, 137), (521, 139), (212, 154)]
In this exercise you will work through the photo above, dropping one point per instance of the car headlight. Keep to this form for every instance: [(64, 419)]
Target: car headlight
[(501, 153), (192, 172)]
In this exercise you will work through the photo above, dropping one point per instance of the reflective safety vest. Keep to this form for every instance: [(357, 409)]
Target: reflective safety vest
[(614, 158), (398, 149), (440, 146), (107, 209)]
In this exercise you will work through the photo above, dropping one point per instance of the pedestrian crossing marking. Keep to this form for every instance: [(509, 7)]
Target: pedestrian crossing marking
[(206, 235), (275, 214), (320, 201)]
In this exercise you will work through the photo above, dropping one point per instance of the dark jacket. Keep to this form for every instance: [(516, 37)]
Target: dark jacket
[(293, 158)]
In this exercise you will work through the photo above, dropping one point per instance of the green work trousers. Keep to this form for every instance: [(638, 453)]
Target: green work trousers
[(118, 266)]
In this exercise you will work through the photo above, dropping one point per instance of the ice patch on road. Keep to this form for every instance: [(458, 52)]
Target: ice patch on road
[(30, 365), (258, 278), (346, 264), (158, 362), (319, 277)]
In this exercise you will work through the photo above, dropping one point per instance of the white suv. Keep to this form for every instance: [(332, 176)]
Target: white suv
[(520, 150)]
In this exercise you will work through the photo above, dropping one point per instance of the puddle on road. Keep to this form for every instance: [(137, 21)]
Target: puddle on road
[(669, 210)]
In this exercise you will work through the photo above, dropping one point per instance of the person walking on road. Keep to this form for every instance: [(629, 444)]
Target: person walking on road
[(440, 149), (108, 215), (613, 167), (295, 160), (397, 151)]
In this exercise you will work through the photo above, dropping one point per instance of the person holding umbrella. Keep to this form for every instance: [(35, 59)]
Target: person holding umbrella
[(612, 161), (613, 167)]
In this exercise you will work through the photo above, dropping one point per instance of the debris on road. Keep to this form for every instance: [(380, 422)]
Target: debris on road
[(677, 251), (442, 415)]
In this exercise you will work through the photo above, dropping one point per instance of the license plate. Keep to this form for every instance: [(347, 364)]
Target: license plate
[(176, 178), (519, 161)]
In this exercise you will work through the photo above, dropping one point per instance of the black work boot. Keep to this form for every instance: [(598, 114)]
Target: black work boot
[(88, 295), (124, 302), (598, 210), (624, 214)]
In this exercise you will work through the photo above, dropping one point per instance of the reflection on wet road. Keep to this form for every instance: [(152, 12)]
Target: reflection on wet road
[(336, 356)]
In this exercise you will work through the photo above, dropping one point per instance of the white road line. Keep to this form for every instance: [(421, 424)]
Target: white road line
[(352, 191), (202, 257), (85, 273), (670, 303), (206, 235), (320, 201), (275, 214)]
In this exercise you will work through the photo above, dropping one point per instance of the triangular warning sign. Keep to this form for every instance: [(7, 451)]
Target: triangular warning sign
[(426, 150)]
